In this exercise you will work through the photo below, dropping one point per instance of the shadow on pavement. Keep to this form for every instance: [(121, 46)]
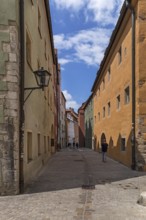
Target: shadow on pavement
[(72, 168)]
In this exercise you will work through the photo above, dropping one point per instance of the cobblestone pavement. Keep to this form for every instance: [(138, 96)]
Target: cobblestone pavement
[(57, 193)]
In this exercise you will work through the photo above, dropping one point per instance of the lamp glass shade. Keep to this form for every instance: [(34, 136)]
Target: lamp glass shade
[(42, 77)]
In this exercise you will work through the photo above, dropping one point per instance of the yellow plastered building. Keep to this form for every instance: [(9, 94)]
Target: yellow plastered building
[(120, 98)]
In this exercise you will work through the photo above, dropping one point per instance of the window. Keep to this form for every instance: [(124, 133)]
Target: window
[(99, 91), (95, 119), (38, 64), (39, 145), (32, 2), (28, 48), (109, 74), (103, 112), (45, 150), (123, 144), (45, 49), (109, 108), (98, 116), (52, 142), (103, 82), (120, 55), (127, 95), (125, 51), (118, 102), (51, 101), (29, 146), (39, 22)]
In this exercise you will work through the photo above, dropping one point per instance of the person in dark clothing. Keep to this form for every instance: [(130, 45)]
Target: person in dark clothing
[(104, 147), (73, 144)]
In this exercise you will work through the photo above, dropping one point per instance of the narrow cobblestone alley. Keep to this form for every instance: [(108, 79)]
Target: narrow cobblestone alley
[(57, 193)]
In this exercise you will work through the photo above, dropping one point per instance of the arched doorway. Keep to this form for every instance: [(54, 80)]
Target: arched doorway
[(103, 138)]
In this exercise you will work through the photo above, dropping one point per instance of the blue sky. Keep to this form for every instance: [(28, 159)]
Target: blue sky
[(81, 29)]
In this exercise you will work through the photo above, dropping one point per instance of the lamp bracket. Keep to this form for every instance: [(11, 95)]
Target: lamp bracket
[(31, 90)]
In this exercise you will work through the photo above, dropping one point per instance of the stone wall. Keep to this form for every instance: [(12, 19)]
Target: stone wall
[(9, 99), (141, 87)]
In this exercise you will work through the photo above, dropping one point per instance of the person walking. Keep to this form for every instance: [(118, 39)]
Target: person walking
[(104, 147)]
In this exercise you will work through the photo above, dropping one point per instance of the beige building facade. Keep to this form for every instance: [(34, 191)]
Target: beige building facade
[(27, 120), (39, 108), (72, 129), (113, 90), (62, 120)]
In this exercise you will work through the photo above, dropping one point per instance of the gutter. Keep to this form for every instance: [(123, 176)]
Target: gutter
[(133, 138), (21, 98)]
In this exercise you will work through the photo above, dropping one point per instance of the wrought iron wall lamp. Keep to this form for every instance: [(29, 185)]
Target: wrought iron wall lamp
[(42, 78)]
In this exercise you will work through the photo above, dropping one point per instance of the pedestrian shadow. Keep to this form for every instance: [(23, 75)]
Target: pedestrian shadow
[(77, 168)]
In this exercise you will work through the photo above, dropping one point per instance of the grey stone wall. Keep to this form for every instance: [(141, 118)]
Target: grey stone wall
[(9, 109)]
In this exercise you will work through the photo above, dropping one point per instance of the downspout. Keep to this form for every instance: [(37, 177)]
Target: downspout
[(133, 138), (21, 98)]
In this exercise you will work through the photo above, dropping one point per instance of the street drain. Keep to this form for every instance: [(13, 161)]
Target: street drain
[(88, 186)]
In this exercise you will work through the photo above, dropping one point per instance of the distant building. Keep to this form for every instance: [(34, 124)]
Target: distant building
[(62, 120), (81, 124), (72, 131), (88, 116), (57, 102)]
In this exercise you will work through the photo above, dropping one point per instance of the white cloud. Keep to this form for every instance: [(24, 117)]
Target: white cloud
[(61, 42), (97, 10), (88, 45), (64, 61), (69, 4), (67, 95), (85, 46), (70, 103), (104, 12)]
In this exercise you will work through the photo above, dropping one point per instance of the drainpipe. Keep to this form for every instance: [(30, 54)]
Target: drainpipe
[(21, 98), (133, 138)]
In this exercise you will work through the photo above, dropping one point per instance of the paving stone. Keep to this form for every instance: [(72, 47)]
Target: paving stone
[(57, 194)]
